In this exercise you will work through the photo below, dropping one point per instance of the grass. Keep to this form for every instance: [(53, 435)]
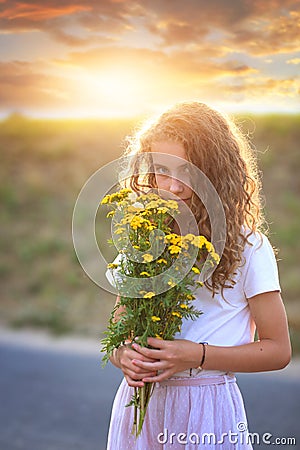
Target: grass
[(44, 164)]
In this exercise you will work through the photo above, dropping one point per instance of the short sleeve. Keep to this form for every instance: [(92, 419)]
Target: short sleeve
[(262, 271), (112, 274)]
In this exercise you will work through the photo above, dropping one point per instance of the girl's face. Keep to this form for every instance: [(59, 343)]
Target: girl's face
[(172, 174)]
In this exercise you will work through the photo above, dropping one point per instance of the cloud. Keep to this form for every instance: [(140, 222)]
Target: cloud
[(175, 63), (31, 15), (27, 85), (262, 88), (72, 23), (256, 27), (294, 61)]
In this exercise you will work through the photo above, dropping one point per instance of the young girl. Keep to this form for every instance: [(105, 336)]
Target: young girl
[(203, 407)]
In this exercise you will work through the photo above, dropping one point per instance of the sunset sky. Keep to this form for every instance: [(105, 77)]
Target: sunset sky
[(114, 58)]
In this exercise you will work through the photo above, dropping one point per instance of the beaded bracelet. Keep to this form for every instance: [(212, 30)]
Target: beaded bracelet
[(203, 357)]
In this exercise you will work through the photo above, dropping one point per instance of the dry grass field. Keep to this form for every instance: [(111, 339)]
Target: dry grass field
[(44, 164)]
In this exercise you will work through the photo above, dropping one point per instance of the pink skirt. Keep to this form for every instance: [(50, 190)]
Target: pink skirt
[(184, 413)]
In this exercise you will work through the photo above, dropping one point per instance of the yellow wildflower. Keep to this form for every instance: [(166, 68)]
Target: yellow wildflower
[(150, 227), (215, 256), (173, 249), (184, 244), (171, 283), (209, 246), (200, 241), (155, 319), (136, 222), (172, 204), (158, 336), (147, 257), (190, 297), (125, 191), (176, 314), (162, 209), (136, 246), (105, 200), (162, 260), (195, 270), (189, 237), (112, 266), (152, 204), (149, 197), (120, 230), (149, 295), (110, 214), (146, 274), (126, 219), (183, 306), (173, 238)]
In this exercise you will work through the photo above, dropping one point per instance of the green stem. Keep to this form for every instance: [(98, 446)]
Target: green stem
[(145, 394)]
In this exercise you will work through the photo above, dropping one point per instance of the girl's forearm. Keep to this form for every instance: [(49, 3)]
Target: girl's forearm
[(114, 359), (257, 356)]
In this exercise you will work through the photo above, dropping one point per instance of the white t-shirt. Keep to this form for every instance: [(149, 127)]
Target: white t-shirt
[(227, 321)]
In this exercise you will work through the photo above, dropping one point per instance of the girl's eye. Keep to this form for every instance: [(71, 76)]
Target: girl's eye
[(161, 170), (185, 169)]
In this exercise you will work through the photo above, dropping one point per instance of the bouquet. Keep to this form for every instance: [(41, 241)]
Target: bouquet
[(154, 275)]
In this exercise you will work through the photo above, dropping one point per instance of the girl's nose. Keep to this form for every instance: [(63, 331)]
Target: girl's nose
[(175, 186)]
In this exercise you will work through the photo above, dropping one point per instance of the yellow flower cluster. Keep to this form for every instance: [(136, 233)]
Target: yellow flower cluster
[(153, 201), (116, 196), (198, 241), (156, 313), (138, 221)]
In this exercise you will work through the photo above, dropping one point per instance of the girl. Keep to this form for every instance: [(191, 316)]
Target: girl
[(196, 402)]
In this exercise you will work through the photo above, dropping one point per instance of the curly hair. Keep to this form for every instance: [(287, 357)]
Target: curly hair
[(215, 145)]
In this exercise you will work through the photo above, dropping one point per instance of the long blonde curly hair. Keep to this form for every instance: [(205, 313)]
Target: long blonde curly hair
[(219, 149)]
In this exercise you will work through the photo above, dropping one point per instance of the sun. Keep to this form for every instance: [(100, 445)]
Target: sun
[(114, 92)]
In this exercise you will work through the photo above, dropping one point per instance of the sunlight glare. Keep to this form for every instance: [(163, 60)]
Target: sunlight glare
[(117, 91)]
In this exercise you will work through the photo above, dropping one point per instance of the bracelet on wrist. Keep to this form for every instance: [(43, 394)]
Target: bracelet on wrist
[(202, 359)]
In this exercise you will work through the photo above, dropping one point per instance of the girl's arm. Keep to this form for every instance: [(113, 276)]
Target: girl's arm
[(122, 358), (271, 352)]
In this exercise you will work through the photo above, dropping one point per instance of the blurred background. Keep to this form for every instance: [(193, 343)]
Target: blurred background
[(44, 164), (78, 77)]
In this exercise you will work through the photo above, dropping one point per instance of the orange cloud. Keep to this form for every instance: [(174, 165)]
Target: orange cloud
[(39, 12), (27, 85)]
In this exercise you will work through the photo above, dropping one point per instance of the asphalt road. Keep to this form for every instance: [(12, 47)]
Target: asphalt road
[(54, 395)]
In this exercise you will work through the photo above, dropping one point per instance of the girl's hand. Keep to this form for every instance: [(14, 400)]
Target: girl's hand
[(132, 373), (169, 357)]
